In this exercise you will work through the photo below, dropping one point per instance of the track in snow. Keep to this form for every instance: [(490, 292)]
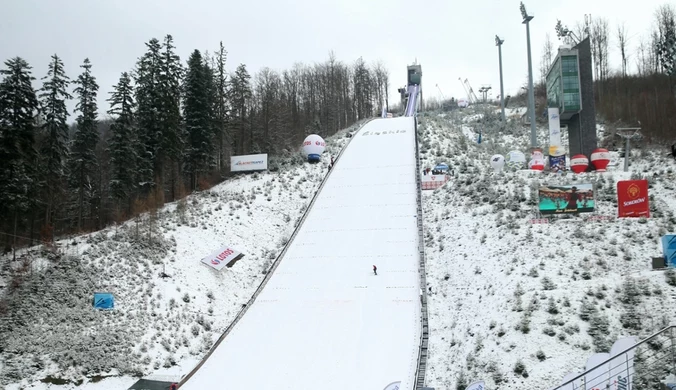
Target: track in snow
[(324, 320)]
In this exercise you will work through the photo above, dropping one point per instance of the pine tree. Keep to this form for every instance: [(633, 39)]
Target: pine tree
[(240, 95), (123, 144), (148, 99), (18, 108), (221, 109), (82, 154), (197, 119), (169, 84), (54, 148)]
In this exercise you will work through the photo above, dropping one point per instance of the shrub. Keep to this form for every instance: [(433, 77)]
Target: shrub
[(540, 355)]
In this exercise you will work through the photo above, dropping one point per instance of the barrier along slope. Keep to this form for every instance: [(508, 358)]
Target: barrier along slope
[(324, 319)]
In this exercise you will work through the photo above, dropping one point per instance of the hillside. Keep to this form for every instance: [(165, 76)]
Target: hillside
[(508, 295), (161, 325)]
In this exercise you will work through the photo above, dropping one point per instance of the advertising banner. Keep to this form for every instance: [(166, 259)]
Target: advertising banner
[(578, 198), (393, 386), (669, 249), (221, 257), (479, 385), (249, 162), (597, 378), (432, 182), (632, 198), (622, 364), (554, 127), (557, 163)]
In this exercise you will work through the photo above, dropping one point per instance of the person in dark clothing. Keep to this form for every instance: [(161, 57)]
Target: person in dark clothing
[(331, 160), (375, 270), (572, 199), (673, 151), (173, 386)]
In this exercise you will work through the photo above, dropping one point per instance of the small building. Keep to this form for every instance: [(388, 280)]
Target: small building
[(570, 88)]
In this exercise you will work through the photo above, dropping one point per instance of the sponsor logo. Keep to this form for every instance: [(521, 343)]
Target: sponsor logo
[(622, 383), (222, 256), (554, 116), (633, 202), (249, 162), (633, 191)]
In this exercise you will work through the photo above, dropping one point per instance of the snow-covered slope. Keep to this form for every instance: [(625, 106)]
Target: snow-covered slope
[(520, 304), (161, 325), (324, 320)]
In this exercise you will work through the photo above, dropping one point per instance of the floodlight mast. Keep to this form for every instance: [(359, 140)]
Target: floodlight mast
[(498, 43), (531, 94)]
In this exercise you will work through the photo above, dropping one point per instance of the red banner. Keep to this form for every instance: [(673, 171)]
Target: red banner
[(632, 198)]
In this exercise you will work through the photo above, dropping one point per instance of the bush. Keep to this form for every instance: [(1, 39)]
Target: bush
[(670, 276), (520, 369), (547, 283), (540, 355)]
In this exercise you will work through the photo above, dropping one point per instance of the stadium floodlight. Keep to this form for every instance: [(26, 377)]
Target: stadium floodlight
[(498, 43), (531, 93)]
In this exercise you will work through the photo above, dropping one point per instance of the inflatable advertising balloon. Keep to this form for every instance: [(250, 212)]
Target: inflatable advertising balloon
[(313, 147), (579, 163), (497, 162), (537, 161), (516, 160), (600, 158)]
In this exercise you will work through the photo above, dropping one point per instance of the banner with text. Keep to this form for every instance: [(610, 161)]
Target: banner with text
[(432, 182), (221, 257), (632, 198), (554, 127), (249, 162), (577, 198)]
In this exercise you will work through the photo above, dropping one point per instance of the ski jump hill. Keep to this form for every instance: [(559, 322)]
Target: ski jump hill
[(324, 320)]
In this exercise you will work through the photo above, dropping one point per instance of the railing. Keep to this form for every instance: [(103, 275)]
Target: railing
[(273, 267), (642, 366), (424, 328)]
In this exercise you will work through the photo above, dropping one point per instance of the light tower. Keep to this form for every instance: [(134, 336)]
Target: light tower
[(498, 43), (531, 94)]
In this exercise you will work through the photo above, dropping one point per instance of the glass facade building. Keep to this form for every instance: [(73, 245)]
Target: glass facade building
[(563, 84)]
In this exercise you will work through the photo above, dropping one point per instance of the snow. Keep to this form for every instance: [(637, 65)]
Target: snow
[(324, 319), (502, 291), (161, 326), (493, 273)]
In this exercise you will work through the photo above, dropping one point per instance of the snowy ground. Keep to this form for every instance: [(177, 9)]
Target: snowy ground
[(324, 320), (505, 291), (160, 326), (505, 295)]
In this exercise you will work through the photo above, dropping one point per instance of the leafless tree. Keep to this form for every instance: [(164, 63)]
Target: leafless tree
[(622, 45)]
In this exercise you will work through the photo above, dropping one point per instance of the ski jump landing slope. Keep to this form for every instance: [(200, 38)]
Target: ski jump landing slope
[(324, 320)]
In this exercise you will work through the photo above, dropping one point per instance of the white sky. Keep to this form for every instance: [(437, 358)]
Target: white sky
[(450, 39)]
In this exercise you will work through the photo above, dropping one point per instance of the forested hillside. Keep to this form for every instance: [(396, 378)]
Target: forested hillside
[(171, 128)]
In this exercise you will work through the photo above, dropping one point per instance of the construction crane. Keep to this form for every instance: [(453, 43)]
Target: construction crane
[(471, 96)]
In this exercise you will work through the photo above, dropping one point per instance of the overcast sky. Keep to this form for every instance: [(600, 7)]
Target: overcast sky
[(450, 39)]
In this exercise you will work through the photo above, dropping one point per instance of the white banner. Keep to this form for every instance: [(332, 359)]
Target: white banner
[(622, 365), (554, 127), (479, 385), (393, 386), (249, 162), (598, 377), (221, 257), (571, 386)]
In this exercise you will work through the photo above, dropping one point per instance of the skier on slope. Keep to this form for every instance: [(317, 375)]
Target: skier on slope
[(375, 270)]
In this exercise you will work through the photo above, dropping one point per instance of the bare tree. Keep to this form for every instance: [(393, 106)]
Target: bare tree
[(546, 60), (622, 45)]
